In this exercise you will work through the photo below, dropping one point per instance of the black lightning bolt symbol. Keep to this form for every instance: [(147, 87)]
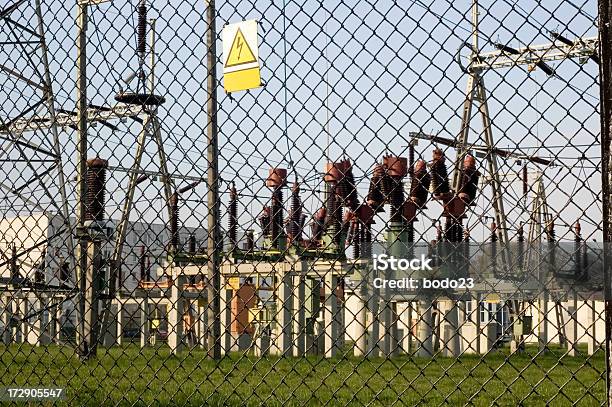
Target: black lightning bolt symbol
[(239, 46)]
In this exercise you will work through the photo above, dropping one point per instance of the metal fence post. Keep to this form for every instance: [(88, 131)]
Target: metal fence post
[(213, 246), (605, 77)]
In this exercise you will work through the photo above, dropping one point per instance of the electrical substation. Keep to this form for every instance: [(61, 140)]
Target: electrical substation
[(275, 278)]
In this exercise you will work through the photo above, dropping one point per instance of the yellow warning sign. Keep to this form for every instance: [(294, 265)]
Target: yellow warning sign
[(233, 283), (492, 298), (240, 56), (240, 52)]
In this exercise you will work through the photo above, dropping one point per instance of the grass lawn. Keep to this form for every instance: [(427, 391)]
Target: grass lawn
[(130, 376)]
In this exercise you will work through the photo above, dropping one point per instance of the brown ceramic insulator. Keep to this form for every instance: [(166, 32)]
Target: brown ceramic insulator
[(335, 172), (448, 230), (141, 31), (356, 239), (192, 244), (525, 181), (375, 198), (318, 224), (143, 264), (386, 185), (419, 185), (277, 214), (493, 229), (396, 199), (458, 234), (365, 213), (303, 218), (342, 191), (520, 233), (334, 215), (347, 226), (96, 186), (141, 178), (352, 198), (331, 173), (250, 240), (410, 232), (295, 216), (189, 187), (577, 231), (366, 248), (277, 178), (13, 264), (411, 157), (439, 232), (409, 210), (455, 208), (232, 209), (265, 221), (174, 221), (550, 232), (396, 166), (439, 174), (468, 187)]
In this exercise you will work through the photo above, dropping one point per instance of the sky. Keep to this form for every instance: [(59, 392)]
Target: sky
[(342, 79)]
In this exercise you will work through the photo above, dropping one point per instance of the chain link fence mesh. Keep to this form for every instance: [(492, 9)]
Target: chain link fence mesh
[(371, 225)]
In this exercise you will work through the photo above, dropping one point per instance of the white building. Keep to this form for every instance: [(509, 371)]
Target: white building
[(44, 234)]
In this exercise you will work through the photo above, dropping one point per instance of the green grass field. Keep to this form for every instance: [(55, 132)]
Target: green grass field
[(130, 376)]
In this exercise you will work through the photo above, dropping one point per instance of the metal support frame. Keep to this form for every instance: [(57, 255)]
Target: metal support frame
[(14, 134), (476, 91)]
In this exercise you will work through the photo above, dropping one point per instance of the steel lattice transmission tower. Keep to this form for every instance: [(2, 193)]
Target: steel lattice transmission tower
[(33, 178)]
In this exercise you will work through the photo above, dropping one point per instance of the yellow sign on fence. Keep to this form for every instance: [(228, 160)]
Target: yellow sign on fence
[(240, 56)]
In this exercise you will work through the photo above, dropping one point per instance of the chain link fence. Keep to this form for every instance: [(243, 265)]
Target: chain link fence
[(407, 211)]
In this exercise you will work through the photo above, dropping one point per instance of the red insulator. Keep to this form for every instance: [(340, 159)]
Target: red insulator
[(411, 156), (143, 264), (419, 185), (192, 244), (295, 216), (141, 178), (493, 231), (375, 196), (265, 221), (142, 28), (174, 221), (409, 210), (356, 237), (351, 199), (439, 174), (318, 224), (232, 209), (96, 185), (468, 187), (396, 199), (277, 178), (396, 166), (577, 231), (365, 214), (453, 230), (550, 232), (277, 215), (250, 240), (334, 213)]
